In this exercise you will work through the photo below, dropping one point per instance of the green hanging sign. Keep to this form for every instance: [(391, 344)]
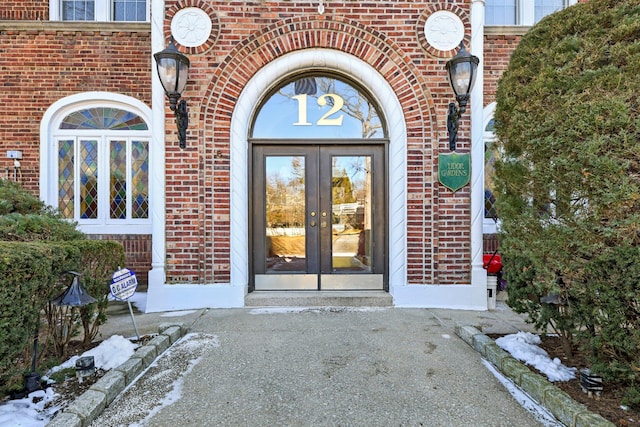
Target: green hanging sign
[(454, 170)]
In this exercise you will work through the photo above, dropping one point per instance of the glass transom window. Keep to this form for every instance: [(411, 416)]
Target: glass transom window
[(103, 167), (318, 107)]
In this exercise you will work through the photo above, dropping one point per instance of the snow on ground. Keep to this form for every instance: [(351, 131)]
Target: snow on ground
[(524, 347), (30, 411), (535, 409)]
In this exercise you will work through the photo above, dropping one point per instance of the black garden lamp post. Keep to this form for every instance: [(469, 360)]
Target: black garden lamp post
[(74, 296), (173, 68), (462, 69)]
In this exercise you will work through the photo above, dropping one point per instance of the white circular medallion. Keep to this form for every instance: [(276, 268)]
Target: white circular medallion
[(444, 30), (191, 27)]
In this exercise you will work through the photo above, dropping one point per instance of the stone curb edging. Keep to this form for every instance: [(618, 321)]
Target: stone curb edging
[(557, 402), (89, 405)]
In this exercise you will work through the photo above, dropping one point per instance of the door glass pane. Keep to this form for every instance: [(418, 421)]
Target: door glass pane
[(285, 214), (318, 107), (351, 213)]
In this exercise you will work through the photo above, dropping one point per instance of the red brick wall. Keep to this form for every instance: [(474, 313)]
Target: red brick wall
[(387, 35), (27, 10), (45, 61), (40, 64), (498, 48), (137, 249), (56, 60)]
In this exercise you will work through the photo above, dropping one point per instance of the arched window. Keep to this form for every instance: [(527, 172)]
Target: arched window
[(318, 107), (99, 161)]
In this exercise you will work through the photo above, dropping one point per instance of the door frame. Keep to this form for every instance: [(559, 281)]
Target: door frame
[(383, 143)]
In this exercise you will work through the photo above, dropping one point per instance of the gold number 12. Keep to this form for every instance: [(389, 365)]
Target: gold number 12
[(325, 120)]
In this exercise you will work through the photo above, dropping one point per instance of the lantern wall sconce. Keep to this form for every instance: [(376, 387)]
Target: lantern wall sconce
[(462, 70), (173, 68)]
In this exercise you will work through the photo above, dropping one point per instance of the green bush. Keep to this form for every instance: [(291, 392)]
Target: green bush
[(14, 198), (29, 274), (32, 227), (568, 125), (37, 247)]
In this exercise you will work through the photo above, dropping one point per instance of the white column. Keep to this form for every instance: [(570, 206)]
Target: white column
[(157, 184), (478, 274)]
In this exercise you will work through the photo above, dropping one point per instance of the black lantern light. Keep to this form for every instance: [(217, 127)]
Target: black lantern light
[(462, 70), (74, 296), (173, 68)]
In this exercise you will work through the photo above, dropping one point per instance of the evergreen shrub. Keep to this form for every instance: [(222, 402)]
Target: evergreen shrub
[(568, 125), (37, 247)]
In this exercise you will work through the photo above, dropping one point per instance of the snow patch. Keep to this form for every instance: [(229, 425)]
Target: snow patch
[(524, 347)]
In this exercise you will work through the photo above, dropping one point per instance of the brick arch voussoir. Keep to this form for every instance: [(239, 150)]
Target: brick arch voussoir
[(299, 33)]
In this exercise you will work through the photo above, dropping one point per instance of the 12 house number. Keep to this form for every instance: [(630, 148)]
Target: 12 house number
[(326, 119)]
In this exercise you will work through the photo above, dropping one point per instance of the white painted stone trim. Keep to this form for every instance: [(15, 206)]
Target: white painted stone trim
[(379, 89)]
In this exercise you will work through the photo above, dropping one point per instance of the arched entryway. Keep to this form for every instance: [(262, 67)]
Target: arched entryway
[(258, 89), (318, 188)]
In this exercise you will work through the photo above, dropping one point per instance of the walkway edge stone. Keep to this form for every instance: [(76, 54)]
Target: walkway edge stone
[(557, 402), (89, 405)]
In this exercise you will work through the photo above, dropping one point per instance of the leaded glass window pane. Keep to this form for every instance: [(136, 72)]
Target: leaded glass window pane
[(140, 179), (66, 175), (118, 180), (78, 10), (103, 118), (130, 10), (88, 179)]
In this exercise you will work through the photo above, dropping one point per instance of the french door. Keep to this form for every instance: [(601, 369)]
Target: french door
[(318, 217)]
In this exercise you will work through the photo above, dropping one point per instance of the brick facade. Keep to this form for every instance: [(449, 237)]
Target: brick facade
[(43, 61), (391, 39)]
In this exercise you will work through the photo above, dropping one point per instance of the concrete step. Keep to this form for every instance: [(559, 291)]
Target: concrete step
[(318, 299)]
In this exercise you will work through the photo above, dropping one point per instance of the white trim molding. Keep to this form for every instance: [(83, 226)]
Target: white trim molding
[(49, 128)]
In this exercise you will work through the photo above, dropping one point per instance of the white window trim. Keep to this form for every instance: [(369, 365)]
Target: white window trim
[(50, 134), (489, 226), (102, 11)]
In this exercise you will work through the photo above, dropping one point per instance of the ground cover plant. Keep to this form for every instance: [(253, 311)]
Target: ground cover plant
[(568, 127)]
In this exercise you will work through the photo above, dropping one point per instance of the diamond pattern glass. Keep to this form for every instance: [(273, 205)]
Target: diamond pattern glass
[(88, 179), (65, 177), (140, 179), (118, 180)]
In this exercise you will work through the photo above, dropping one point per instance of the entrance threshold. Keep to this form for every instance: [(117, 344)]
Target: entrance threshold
[(318, 299)]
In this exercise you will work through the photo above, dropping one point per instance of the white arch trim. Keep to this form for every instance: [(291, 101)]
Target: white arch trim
[(383, 94), (58, 111)]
